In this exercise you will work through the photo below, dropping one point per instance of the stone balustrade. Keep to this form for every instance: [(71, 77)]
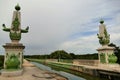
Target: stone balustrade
[(86, 62)]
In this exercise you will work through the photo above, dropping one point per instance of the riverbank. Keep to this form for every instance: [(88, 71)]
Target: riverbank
[(31, 72), (107, 71)]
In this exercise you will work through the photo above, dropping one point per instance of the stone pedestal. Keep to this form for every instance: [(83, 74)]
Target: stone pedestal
[(11, 73), (105, 53), (13, 58), (14, 49)]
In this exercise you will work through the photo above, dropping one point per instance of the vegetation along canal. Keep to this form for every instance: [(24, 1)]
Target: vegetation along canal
[(70, 74)]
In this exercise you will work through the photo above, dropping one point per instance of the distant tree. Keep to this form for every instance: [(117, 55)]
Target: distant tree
[(60, 54), (45, 56), (72, 55), (112, 45), (1, 61), (87, 56)]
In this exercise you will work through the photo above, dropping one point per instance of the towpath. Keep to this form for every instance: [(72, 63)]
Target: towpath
[(31, 72)]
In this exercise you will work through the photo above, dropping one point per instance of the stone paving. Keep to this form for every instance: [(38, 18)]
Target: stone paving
[(30, 73), (34, 73)]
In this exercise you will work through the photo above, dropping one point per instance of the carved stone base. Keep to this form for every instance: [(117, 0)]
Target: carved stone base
[(11, 73), (16, 49), (104, 52)]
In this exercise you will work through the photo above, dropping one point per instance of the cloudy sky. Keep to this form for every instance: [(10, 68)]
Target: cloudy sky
[(70, 25)]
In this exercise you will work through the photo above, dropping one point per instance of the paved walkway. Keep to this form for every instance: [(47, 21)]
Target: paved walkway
[(33, 73)]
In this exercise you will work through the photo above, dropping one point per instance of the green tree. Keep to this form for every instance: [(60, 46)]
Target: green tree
[(60, 54), (73, 55), (1, 61)]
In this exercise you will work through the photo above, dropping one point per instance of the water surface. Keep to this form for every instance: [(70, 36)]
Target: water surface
[(63, 73)]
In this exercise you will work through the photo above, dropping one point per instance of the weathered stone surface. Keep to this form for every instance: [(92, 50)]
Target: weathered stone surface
[(105, 51), (27, 63), (11, 73), (34, 73), (103, 36), (86, 62), (14, 48)]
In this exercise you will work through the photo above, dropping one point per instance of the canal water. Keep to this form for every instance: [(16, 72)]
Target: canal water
[(64, 73)]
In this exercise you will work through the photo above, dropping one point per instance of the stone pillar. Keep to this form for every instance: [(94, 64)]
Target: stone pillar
[(105, 53), (14, 49)]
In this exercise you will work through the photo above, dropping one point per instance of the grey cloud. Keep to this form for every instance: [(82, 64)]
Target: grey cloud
[(53, 22)]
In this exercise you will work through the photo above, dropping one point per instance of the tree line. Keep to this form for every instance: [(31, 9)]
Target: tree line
[(61, 54), (1, 61)]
